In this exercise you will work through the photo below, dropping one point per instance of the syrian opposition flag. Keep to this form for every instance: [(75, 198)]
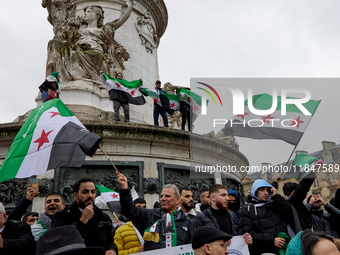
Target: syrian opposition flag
[(303, 164), (51, 137), (192, 99), (153, 93), (173, 101), (167, 101), (289, 127), (124, 91), (110, 197)]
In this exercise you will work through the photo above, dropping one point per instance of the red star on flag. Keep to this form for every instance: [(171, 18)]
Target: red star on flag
[(297, 122), (114, 196), (156, 100), (54, 114), (168, 237), (118, 85), (172, 105), (195, 108), (168, 245), (188, 100), (132, 92), (266, 119), (43, 138), (242, 115)]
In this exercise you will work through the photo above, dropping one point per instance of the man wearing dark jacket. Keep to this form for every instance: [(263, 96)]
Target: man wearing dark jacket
[(94, 225), (157, 109), (21, 208), (165, 227), (323, 221), (187, 202), (15, 237), (296, 193), (234, 203), (218, 215), (264, 217), (205, 201)]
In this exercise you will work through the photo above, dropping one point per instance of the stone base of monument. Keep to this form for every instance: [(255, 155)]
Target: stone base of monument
[(150, 156)]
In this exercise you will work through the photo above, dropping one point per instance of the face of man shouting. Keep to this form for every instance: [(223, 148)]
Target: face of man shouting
[(85, 195)]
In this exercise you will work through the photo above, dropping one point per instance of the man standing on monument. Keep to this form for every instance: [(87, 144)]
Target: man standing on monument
[(118, 101), (94, 225), (50, 89), (159, 109)]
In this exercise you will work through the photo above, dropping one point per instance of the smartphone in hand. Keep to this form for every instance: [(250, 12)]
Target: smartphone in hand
[(34, 184)]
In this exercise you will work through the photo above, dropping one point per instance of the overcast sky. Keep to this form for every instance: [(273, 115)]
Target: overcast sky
[(204, 39)]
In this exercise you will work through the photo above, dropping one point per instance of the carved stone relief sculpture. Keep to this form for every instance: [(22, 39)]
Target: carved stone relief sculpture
[(147, 33), (83, 45)]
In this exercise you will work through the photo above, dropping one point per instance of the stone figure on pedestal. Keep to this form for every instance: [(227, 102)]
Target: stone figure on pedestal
[(83, 46)]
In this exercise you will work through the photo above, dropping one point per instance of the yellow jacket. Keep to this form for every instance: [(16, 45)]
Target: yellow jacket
[(126, 239)]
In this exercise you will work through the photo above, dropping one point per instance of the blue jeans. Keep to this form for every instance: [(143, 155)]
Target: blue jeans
[(44, 95), (159, 110)]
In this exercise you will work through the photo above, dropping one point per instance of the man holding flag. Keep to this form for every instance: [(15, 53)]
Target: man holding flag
[(122, 93), (163, 102), (165, 227), (159, 109)]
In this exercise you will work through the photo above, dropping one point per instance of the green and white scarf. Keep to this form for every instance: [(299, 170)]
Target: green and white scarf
[(164, 230)]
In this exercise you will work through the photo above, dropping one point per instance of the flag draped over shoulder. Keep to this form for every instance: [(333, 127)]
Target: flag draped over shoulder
[(124, 91), (51, 136), (110, 197), (191, 99), (303, 164), (289, 127), (168, 101)]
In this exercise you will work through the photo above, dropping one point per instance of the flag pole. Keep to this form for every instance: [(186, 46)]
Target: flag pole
[(301, 136), (117, 172), (115, 215), (292, 153)]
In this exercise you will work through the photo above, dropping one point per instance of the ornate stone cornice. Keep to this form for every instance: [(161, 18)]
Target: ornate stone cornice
[(158, 10)]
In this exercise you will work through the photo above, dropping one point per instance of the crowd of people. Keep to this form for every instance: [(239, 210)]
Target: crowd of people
[(268, 223)]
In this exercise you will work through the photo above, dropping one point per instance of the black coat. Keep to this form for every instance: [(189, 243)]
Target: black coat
[(19, 210), (206, 218), (326, 222), (265, 222), (296, 200), (17, 239), (147, 217), (97, 231)]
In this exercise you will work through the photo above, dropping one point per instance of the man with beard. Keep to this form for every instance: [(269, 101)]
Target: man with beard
[(205, 201), (323, 221), (53, 203), (218, 215), (187, 202), (94, 225)]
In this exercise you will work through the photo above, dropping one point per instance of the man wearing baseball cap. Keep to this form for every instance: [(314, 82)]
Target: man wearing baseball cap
[(209, 240)]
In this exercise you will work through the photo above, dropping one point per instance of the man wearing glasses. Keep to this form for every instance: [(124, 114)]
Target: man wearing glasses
[(210, 241)]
